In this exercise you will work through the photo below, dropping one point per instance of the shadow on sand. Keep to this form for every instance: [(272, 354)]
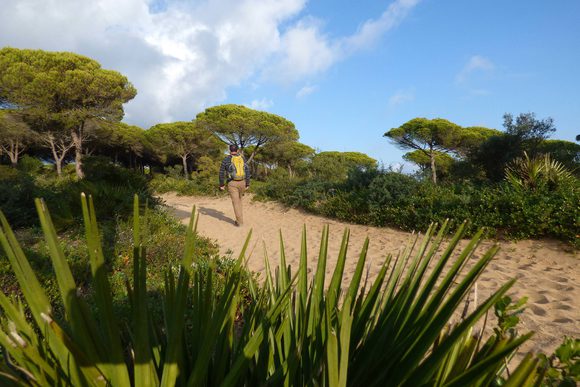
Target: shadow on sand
[(215, 214)]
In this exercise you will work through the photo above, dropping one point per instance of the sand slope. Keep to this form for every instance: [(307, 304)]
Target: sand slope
[(548, 272)]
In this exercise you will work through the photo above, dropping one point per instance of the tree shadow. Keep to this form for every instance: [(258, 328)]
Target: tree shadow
[(215, 214)]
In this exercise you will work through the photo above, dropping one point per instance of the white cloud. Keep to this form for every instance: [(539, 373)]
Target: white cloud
[(372, 30), (306, 50), (476, 63), (306, 90), (402, 96), (182, 56), (261, 104)]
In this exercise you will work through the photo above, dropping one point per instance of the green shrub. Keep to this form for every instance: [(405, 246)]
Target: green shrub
[(196, 186), (562, 368), (112, 185), (294, 332), (17, 193), (393, 199), (278, 186), (163, 236), (7, 173), (204, 181), (31, 165)]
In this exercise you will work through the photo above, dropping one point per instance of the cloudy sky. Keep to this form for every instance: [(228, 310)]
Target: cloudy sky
[(343, 71)]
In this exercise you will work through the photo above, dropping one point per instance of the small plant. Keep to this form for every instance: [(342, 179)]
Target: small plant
[(507, 313), (535, 173), (562, 368)]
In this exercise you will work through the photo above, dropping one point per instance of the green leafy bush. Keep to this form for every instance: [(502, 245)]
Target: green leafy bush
[(163, 235), (394, 330), (562, 368), (196, 186), (394, 199), (204, 181), (30, 164), (112, 185)]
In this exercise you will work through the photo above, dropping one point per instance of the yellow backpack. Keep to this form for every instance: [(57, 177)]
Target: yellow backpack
[(237, 171)]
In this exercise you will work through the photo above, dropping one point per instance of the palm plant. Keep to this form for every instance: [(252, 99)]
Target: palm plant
[(393, 330), (537, 172)]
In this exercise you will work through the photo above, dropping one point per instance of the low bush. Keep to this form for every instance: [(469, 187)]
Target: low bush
[(112, 185), (162, 234), (186, 187), (394, 199), (30, 164), (203, 181)]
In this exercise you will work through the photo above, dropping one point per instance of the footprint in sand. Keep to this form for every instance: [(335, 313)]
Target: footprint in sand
[(541, 300), (562, 307), (526, 266), (563, 320), (564, 288), (562, 280), (539, 311)]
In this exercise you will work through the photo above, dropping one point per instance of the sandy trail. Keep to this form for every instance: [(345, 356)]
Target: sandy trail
[(548, 272)]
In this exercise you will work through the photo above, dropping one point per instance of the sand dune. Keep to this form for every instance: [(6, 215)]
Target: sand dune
[(548, 272)]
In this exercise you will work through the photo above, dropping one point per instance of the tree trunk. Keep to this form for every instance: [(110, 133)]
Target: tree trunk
[(184, 159), (14, 154), (78, 141), (253, 153), (55, 148), (433, 171), (58, 163)]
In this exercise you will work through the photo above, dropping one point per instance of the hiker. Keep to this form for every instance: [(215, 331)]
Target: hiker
[(235, 170)]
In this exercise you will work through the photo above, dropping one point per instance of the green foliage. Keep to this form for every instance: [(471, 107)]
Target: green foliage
[(15, 135), (296, 331), (507, 313), (528, 128), (536, 173), (17, 192), (63, 88), (335, 166), (203, 181), (111, 184), (292, 155), (7, 173), (163, 235), (421, 159), (427, 136), (562, 368), (390, 199), (524, 134), (122, 143), (245, 127), (472, 137), (30, 165), (566, 152), (184, 140), (62, 82)]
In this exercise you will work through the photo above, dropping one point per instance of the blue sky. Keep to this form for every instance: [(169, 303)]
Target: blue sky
[(344, 72), (469, 62)]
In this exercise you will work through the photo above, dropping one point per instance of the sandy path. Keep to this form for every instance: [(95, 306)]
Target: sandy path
[(548, 272)]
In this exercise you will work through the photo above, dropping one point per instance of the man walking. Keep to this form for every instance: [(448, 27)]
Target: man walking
[(235, 171)]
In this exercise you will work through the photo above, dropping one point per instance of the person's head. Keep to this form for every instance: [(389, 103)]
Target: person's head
[(233, 148)]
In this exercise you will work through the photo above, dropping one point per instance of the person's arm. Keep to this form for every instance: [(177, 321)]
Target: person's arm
[(223, 167)]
